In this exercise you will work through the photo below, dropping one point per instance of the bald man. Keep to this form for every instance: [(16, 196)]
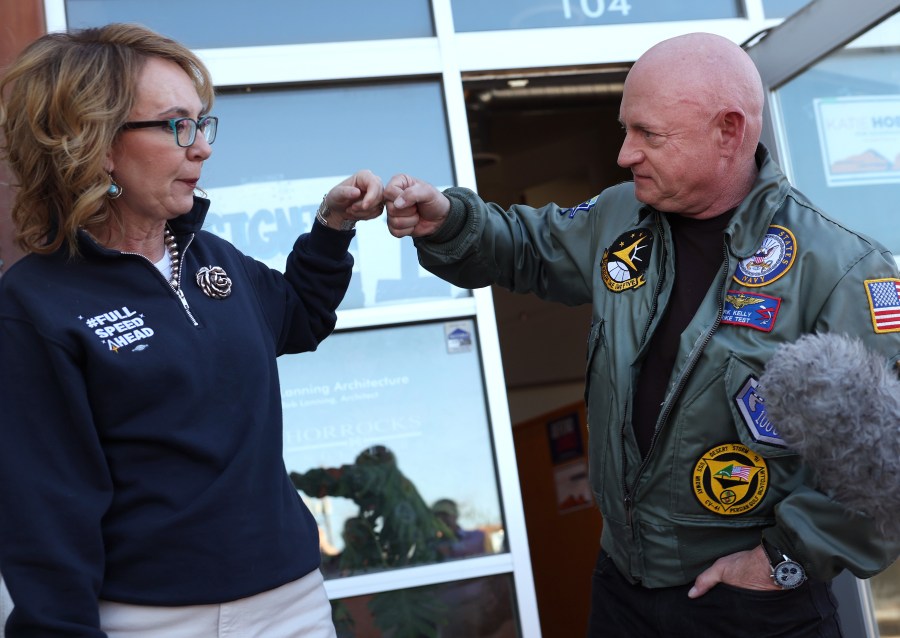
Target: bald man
[(697, 271)]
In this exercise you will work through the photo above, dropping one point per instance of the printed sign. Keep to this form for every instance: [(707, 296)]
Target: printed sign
[(860, 139)]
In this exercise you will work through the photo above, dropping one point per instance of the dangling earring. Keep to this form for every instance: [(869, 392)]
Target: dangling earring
[(114, 191)]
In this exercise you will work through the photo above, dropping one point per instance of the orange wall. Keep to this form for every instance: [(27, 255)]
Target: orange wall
[(20, 23), (563, 544)]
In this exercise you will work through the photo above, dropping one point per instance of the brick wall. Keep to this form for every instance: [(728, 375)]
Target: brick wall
[(20, 22)]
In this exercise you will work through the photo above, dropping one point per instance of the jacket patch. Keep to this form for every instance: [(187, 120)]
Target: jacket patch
[(730, 479), (582, 206), (625, 261), (753, 310), (752, 407), (884, 304), (771, 261), (120, 328)]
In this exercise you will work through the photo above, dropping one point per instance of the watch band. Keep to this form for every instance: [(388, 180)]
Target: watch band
[(323, 213), (786, 572)]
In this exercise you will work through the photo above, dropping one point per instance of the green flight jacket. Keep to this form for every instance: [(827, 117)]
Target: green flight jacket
[(713, 479)]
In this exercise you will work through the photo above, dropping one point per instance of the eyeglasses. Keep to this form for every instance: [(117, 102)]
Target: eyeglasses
[(184, 128)]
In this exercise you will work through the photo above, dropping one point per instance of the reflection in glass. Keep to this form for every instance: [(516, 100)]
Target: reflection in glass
[(783, 8), (886, 592), (841, 118), (477, 608), (394, 527), (397, 470), (238, 23), (266, 183), (476, 15), (841, 122)]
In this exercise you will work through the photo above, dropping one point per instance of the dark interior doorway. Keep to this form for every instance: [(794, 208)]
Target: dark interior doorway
[(540, 136)]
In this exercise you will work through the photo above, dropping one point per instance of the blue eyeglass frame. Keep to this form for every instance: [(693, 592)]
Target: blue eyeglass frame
[(198, 125)]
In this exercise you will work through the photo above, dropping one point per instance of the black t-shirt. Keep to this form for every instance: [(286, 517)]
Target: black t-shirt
[(699, 254)]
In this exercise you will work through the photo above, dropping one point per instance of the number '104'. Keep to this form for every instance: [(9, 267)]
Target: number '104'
[(596, 8)]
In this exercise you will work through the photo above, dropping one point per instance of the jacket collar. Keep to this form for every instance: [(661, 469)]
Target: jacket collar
[(189, 223), (755, 213)]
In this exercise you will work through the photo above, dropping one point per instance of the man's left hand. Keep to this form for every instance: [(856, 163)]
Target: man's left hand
[(747, 570)]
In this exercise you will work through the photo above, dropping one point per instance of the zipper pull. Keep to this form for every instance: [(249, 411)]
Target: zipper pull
[(182, 299), (628, 509)]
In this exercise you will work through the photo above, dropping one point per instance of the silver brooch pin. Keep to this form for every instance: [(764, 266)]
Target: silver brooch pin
[(214, 282)]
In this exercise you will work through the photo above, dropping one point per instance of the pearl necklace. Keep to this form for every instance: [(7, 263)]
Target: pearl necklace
[(174, 256)]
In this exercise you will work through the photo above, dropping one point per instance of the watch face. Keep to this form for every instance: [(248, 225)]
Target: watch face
[(788, 575)]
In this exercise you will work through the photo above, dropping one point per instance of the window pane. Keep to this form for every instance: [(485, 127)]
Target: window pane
[(783, 8), (841, 119), (277, 152), (236, 23), (385, 456), (477, 15), (478, 608)]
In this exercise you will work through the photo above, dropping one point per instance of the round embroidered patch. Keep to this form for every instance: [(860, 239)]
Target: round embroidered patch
[(625, 261), (773, 259), (730, 479)]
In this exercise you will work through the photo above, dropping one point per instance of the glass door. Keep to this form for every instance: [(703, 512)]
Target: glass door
[(832, 74)]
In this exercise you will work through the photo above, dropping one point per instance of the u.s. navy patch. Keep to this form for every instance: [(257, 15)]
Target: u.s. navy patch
[(771, 261), (626, 260), (730, 479), (884, 304), (583, 206), (752, 407), (753, 310)]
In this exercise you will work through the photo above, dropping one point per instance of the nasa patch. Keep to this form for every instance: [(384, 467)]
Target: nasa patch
[(730, 479), (625, 261), (771, 261)]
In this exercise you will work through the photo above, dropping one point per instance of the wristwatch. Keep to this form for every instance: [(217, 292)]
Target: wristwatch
[(786, 572), (323, 213)]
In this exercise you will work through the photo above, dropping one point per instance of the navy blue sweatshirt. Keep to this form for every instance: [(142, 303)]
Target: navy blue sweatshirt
[(141, 435)]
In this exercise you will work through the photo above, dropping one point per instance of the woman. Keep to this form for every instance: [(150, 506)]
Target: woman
[(142, 487)]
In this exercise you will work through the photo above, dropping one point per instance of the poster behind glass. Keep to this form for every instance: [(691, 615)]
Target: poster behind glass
[(278, 151), (476, 15), (387, 439), (238, 23), (842, 122)]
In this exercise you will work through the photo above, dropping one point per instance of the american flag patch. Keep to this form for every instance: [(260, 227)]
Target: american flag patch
[(741, 471), (884, 304)]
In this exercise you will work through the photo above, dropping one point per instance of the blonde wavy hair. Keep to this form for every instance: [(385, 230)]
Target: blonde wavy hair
[(62, 103)]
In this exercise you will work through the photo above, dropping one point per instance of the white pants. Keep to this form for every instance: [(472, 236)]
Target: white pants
[(6, 606), (297, 609)]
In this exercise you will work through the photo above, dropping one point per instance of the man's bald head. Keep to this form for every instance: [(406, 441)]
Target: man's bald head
[(708, 70), (692, 113)]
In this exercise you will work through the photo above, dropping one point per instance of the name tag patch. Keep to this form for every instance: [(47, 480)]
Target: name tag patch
[(753, 310), (752, 407)]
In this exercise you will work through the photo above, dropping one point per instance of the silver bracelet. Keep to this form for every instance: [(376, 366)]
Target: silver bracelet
[(323, 213)]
